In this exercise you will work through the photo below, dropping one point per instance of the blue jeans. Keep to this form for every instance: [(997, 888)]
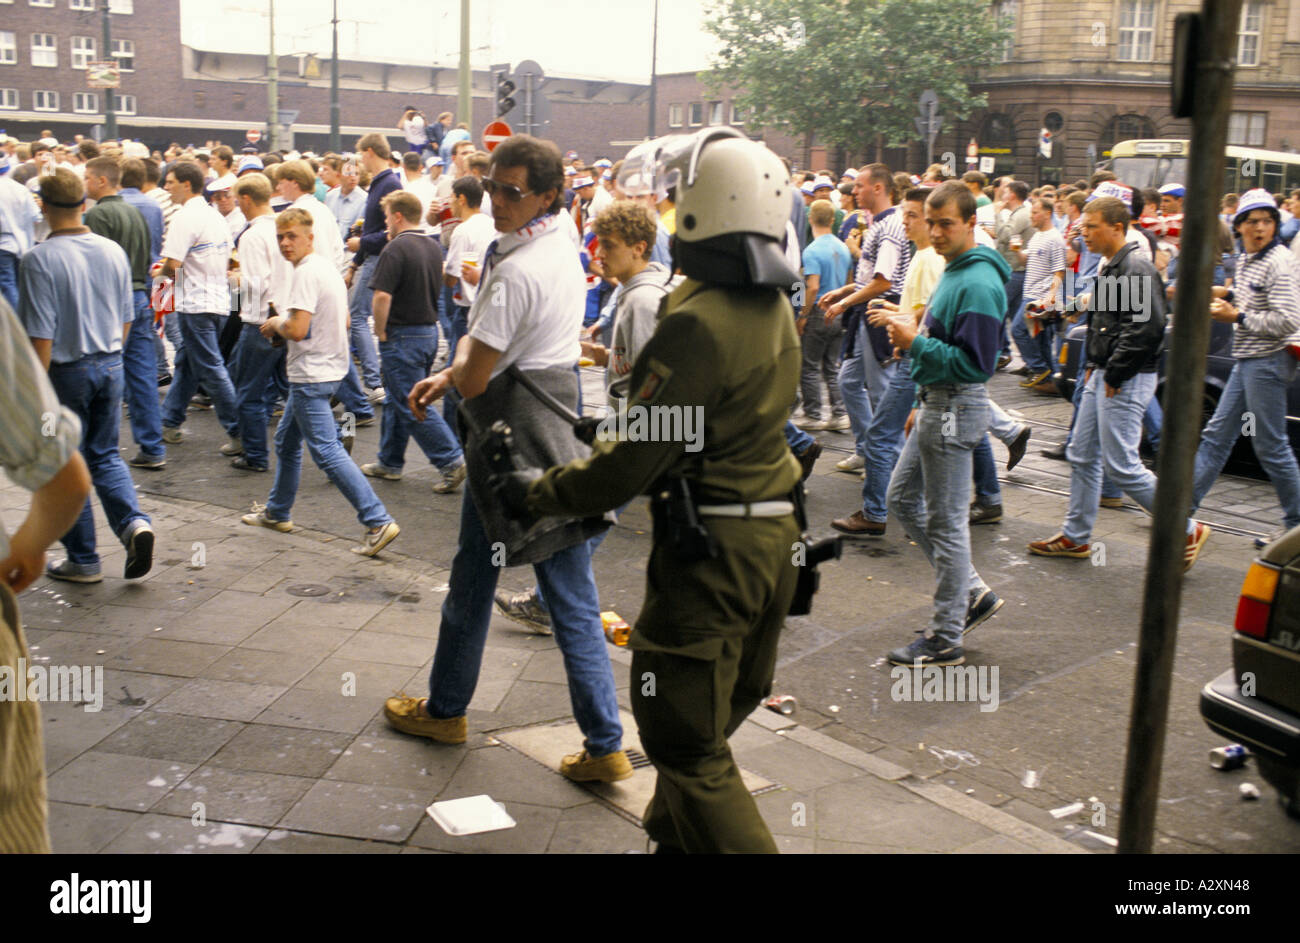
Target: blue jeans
[(1036, 351), (1256, 387), (854, 394), (199, 361), (987, 489), (885, 439), (172, 329), (457, 326), (259, 376), (140, 367), (363, 339), (307, 415), (930, 495), (9, 278), (1014, 289), (1152, 423), (92, 388), (406, 358), (1106, 434), (571, 596)]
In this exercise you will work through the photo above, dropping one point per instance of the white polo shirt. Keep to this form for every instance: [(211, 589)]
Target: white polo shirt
[(198, 238), (471, 238), (534, 317), (325, 229), (322, 356)]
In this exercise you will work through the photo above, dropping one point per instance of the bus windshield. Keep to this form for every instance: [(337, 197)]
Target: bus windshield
[(1150, 170)]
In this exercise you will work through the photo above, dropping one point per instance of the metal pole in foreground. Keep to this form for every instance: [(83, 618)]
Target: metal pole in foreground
[(110, 111), (465, 99), (654, 79), (336, 144), (272, 87), (1211, 64)]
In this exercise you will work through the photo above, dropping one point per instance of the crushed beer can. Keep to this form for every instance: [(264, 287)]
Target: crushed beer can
[(1232, 756), (616, 629), (781, 703)]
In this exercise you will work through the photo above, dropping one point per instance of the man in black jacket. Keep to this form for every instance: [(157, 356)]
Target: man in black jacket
[(1125, 333)]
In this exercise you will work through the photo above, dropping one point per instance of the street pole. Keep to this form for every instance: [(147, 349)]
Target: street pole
[(335, 139), (110, 110), (465, 100), (654, 56), (1211, 62), (272, 87)]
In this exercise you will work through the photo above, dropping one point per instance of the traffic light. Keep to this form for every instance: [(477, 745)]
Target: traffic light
[(505, 93)]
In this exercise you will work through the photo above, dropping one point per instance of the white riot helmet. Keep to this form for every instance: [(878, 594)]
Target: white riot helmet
[(733, 201)]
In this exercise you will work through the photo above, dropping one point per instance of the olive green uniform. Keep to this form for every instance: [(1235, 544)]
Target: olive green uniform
[(705, 643)]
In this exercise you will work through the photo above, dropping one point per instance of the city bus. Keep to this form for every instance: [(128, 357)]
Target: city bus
[(1153, 163)]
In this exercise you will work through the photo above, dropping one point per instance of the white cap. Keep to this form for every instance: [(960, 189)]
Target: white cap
[(224, 182)]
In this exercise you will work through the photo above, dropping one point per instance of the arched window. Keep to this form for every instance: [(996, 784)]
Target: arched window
[(1123, 128)]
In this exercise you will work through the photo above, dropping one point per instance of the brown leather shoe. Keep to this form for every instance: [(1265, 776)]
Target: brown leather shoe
[(857, 525)]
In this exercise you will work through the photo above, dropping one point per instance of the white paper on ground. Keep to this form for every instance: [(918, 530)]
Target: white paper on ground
[(470, 816)]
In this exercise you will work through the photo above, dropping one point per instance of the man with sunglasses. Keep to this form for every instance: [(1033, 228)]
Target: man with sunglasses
[(527, 313)]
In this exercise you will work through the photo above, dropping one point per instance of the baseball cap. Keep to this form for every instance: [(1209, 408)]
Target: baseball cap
[(823, 183), (224, 182), (604, 163), (807, 188), (433, 160), (1173, 189), (250, 162), (1256, 200), (585, 180), (849, 174)]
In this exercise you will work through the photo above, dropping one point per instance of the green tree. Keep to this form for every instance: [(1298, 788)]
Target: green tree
[(852, 71)]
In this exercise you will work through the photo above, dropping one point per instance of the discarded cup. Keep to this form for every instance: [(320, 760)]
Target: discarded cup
[(1232, 756), (1249, 791), (616, 629), (1072, 809), (781, 703)]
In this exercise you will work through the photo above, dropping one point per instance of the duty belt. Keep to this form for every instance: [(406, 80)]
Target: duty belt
[(756, 509)]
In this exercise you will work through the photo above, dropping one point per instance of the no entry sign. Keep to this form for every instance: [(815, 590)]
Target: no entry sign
[(494, 134)]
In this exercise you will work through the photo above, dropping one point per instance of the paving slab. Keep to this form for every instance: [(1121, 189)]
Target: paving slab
[(357, 810), (168, 834)]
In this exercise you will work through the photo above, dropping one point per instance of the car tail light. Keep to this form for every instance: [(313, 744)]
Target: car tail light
[(1256, 603)]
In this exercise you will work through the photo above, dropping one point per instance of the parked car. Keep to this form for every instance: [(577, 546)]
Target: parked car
[(1217, 367), (1257, 702)]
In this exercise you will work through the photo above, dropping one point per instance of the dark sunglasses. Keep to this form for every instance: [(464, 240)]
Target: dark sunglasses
[(509, 190)]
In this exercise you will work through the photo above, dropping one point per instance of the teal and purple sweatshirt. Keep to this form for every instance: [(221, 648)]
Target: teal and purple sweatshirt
[(964, 321)]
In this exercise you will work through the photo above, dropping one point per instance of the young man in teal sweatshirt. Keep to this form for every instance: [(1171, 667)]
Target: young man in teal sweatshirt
[(952, 358)]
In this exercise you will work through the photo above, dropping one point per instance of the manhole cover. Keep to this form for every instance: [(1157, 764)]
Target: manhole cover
[(308, 589)]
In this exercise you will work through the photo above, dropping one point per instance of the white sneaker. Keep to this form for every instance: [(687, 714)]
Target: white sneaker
[(233, 447), (375, 540), (376, 396), (839, 424), (172, 435), (810, 425), (853, 463)]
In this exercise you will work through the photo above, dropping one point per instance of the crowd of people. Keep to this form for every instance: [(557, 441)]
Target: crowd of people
[(308, 294)]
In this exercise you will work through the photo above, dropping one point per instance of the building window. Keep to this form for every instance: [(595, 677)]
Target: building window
[(237, 101), (8, 48), (1124, 128), (45, 101), (1004, 14), (738, 114), (9, 98), (124, 53), (697, 114), (45, 49), (85, 103), (87, 5), (674, 116), (715, 112), (124, 104), (41, 3), (121, 6), (1252, 22), (200, 99), (83, 51), (1247, 128), (1137, 31)]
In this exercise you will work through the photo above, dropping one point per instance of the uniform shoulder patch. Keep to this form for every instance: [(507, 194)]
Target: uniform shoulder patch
[(656, 378)]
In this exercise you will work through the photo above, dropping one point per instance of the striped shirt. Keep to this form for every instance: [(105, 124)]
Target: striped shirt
[(166, 204), (37, 439), (886, 251), (1266, 292), (1045, 256)]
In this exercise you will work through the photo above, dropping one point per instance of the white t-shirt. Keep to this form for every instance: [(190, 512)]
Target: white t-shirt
[(266, 275), (325, 230), (322, 356), (535, 316), (470, 239), (199, 238), (425, 191), (416, 133)]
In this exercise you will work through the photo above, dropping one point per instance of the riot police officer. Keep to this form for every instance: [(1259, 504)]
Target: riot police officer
[(724, 565)]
